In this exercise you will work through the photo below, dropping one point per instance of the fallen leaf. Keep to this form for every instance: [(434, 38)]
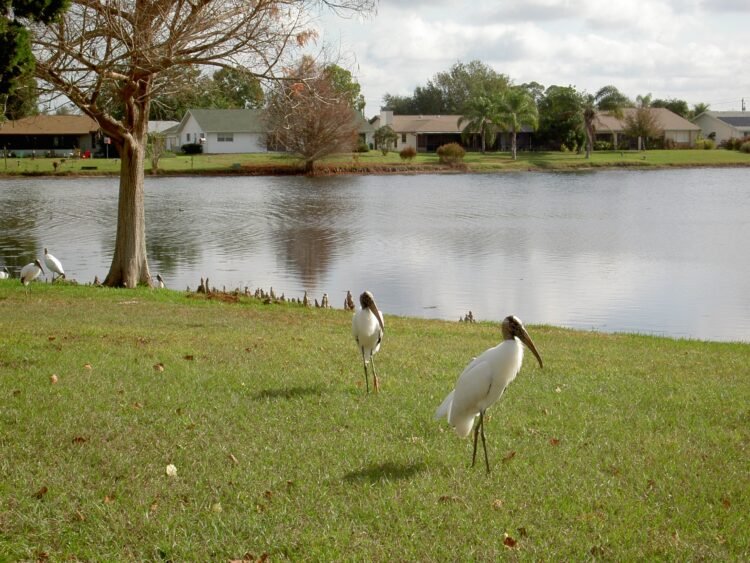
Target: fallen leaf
[(189, 357), (53, 379), (268, 494), (51, 338), (40, 493), (79, 516), (497, 504), (171, 470), (109, 499), (558, 390), (509, 542), (16, 392), (510, 455), (86, 366), (726, 503), (216, 507), (234, 459), (80, 440), (137, 405), (554, 442), (159, 367), (154, 506)]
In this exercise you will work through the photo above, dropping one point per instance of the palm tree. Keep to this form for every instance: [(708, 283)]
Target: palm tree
[(698, 109), (516, 109), (607, 99), (478, 118)]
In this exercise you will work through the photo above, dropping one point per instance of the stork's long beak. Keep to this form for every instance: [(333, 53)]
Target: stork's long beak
[(526, 339), (374, 309)]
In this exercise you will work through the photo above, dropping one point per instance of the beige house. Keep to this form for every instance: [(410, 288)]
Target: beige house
[(723, 125), (425, 133), (674, 130), (49, 135)]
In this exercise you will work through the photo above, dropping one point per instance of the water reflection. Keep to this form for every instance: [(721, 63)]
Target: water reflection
[(658, 252)]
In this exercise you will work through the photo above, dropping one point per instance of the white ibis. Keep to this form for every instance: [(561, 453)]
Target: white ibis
[(483, 381), (4, 273), (367, 329), (160, 281), (53, 265), (30, 272)]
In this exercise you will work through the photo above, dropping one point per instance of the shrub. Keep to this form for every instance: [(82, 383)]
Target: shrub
[(745, 147), (408, 153), (192, 148), (705, 144), (602, 146), (362, 147), (733, 143), (451, 154)]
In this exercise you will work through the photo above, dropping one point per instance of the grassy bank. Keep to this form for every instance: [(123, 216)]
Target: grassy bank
[(624, 447), (374, 162)]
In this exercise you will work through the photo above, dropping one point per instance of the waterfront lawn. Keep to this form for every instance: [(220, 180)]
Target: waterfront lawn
[(623, 447), (375, 161)]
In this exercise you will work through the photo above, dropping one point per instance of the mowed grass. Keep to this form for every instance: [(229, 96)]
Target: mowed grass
[(375, 161), (623, 447)]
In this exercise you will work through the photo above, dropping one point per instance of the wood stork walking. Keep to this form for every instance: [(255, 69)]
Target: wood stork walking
[(4, 273), (160, 281), (483, 381), (30, 272), (53, 265), (367, 329)]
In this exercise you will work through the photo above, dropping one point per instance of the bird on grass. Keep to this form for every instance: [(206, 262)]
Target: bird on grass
[(483, 381), (160, 281), (367, 329), (53, 265), (30, 272), (4, 273)]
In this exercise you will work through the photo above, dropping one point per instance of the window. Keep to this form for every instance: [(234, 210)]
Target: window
[(225, 137), (188, 137), (403, 137)]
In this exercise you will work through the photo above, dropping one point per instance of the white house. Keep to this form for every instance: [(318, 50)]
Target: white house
[(723, 125), (223, 130), (169, 130)]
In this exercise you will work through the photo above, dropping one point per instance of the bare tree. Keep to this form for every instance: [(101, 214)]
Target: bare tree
[(135, 48), (309, 116)]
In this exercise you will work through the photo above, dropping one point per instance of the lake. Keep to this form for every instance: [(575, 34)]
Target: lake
[(661, 252)]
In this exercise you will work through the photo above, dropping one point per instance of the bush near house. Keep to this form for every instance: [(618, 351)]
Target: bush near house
[(192, 148), (705, 144), (745, 147), (408, 153), (734, 143), (451, 154)]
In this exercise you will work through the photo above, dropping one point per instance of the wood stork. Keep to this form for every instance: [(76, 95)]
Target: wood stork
[(483, 381), (53, 265), (160, 281), (367, 329), (4, 273), (30, 272)]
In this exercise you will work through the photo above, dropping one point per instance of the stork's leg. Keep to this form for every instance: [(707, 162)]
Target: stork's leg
[(364, 365), (474, 453), (375, 382), (484, 443)]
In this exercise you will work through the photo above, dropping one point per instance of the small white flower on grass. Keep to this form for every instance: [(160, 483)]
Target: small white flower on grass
[(171, 470)]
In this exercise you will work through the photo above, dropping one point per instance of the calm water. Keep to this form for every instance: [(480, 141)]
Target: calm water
[(662, 252)]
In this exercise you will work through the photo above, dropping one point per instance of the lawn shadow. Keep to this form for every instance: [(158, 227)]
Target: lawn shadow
[(385, 471), (287, 393)]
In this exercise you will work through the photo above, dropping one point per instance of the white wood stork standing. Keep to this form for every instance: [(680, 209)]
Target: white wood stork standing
[(53, 265), (160, 281), (30, 272), (483, 381), (4, 273), (367, 329)]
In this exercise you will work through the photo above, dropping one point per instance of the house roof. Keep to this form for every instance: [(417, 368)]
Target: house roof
[(50, 125), (738, 119), (423, 123), (666, 120), (162, 126), (227, 120)]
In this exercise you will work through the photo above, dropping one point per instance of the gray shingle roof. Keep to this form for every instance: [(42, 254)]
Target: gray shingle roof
[(229, 120)]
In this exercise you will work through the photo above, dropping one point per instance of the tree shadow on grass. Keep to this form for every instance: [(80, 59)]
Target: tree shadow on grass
[(385, 472), (287, 393)]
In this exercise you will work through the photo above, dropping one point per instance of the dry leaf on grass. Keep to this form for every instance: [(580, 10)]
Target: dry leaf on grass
[(80, 440), (189, 357), (86, 366), (509, 542), (497, 504), (171, 470), (159, 367), (53, 379), (40, 493), (510, 455), (554, 442)]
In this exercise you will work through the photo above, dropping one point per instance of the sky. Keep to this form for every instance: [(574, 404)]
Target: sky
[(694, 50)]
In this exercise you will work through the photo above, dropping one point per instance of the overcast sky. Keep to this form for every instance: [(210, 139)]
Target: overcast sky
[(695, 50)]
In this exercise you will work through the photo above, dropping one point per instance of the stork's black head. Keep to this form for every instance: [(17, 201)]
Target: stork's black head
[(513, 328)]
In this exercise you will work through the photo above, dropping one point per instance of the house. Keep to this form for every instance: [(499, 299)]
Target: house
[(49, 135), (168, 129), (674, 130), (223, 130), (723, 125), (426, 133)]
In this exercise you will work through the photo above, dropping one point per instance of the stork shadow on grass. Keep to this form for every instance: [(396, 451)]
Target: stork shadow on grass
[(388, 471), (287, 393)]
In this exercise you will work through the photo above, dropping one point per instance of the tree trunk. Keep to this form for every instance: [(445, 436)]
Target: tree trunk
[(129, 263), (513, 144), (589, 140), (309, 166)]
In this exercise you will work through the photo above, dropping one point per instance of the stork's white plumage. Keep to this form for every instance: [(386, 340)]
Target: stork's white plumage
[(4, 273), (160, 281), (31, 271), (367, 329), (483, 382), (53, 265)]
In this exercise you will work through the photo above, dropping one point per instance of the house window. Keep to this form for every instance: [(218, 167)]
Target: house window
[(225, 137), (403, 137), (188, 137)]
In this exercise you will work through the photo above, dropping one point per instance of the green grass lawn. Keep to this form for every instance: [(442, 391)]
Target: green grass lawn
[(623, 447), (375, 161)]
